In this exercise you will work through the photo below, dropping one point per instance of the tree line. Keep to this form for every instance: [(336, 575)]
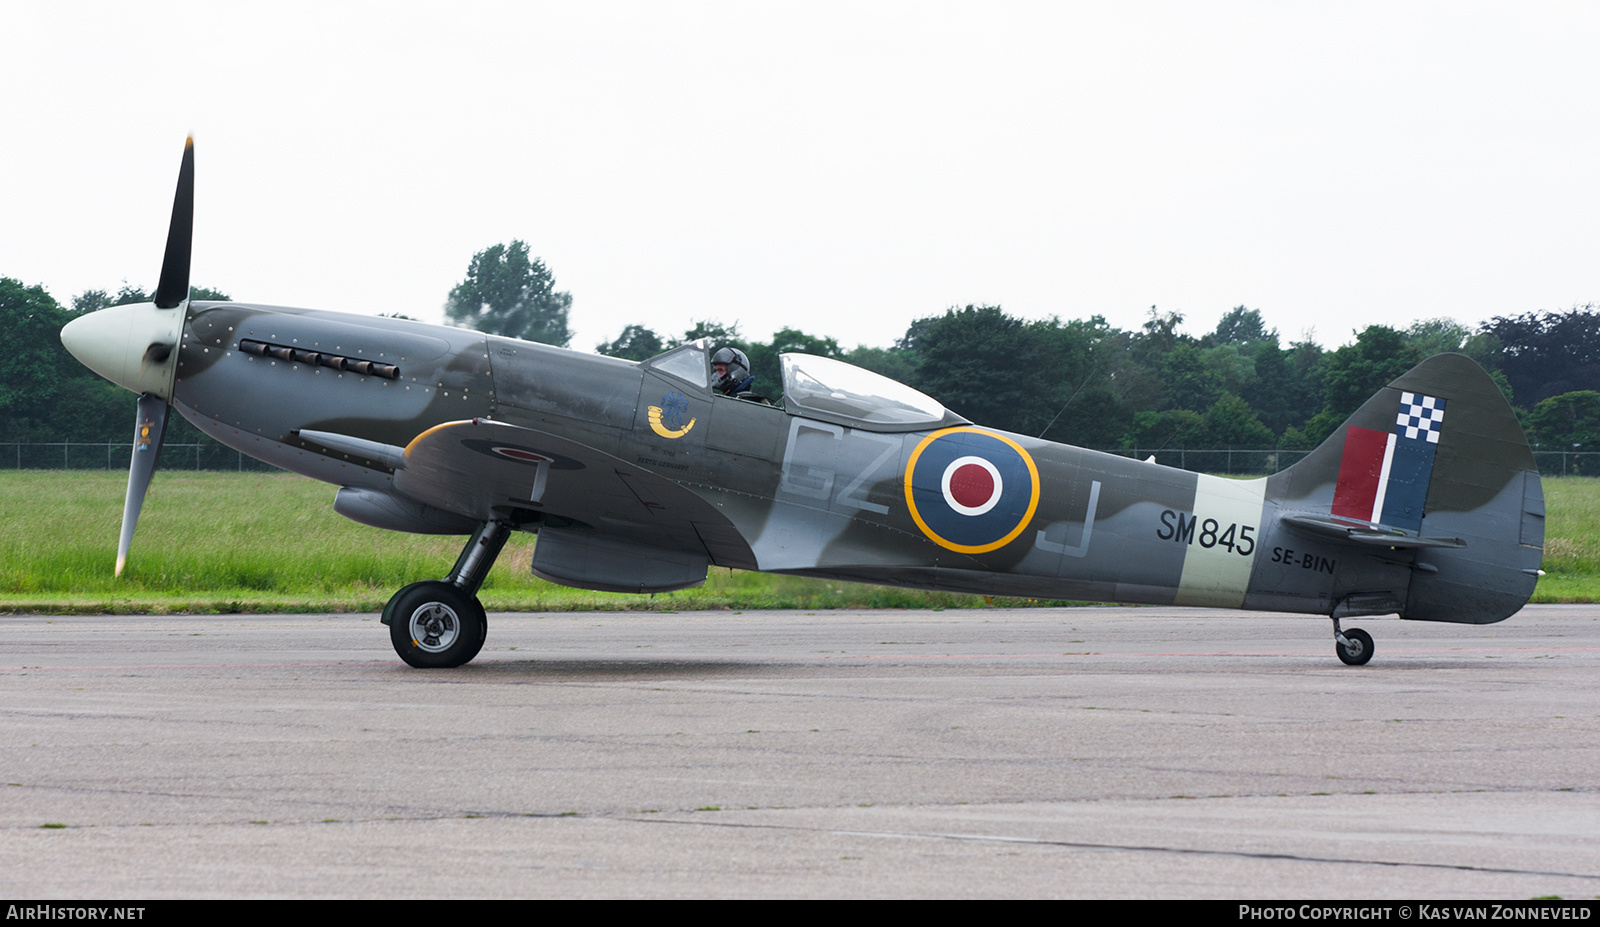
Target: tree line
[(1079, 381), (1086, 382)]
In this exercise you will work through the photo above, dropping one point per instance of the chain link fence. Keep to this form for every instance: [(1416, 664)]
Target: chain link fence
[(79, 455), (1568, 463), (209, 455), (1262, 462)]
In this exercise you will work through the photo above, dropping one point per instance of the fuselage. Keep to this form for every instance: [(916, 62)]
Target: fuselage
[(805, 496)]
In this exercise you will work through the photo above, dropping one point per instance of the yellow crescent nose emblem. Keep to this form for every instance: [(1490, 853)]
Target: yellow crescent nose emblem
[(664, 431)]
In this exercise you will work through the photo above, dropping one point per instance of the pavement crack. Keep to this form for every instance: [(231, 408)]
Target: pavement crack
[(1126, 847)]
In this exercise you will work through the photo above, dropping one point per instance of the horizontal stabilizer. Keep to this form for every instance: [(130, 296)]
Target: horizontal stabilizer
[(1362, 532)]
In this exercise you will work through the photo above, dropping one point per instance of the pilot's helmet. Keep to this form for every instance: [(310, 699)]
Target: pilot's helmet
[(738, 368)]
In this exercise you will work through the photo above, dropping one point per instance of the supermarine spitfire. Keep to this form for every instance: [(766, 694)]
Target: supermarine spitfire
[(637, 476)]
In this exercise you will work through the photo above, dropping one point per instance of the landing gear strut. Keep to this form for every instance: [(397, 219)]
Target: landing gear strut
[(441, 623), (1354, 646)]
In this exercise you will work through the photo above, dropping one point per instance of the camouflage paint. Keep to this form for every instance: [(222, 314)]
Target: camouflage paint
[(609, 457)]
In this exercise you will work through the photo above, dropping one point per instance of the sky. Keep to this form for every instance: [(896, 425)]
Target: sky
[(838, 168)]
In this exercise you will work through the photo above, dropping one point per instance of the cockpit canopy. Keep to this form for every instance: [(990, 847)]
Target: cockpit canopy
[(833, 391), (827, 390)]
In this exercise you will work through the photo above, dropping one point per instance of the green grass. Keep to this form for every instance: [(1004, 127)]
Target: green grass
[(271, 542), (1572, 541), (258, 542)]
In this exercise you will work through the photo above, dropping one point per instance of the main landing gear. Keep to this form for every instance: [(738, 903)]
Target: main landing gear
[(1354, 646), (441, 623)]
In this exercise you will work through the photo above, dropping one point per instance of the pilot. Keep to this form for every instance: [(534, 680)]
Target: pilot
[(731, 372)]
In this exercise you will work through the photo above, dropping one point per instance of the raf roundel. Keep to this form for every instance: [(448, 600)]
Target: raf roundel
[(971, 490)]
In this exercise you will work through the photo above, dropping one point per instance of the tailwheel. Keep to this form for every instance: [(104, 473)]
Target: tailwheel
[(436, 625), (1354, 646)]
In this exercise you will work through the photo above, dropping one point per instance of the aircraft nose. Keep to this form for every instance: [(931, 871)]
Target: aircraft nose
[(135, 346)]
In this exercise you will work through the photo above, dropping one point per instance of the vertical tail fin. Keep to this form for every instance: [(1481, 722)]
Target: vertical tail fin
[(1437, 463)]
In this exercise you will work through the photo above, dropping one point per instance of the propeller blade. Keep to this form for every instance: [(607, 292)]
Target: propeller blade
[(174, 286), (151, 423)]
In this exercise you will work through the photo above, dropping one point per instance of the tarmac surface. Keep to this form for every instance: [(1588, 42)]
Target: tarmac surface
[(1095, 752)]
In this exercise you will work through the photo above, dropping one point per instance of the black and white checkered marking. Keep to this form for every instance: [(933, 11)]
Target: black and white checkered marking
[(1420, 417)]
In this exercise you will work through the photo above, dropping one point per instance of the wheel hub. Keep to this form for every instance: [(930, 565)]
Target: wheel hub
[(434, 627)]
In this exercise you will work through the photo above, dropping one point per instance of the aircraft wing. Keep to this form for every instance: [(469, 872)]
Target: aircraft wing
[(604, 523)]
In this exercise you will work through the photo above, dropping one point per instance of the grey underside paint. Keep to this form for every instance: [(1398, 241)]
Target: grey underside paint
[(592, 561)]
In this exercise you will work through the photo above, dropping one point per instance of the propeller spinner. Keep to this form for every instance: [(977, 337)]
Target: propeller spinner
[(136, 347)]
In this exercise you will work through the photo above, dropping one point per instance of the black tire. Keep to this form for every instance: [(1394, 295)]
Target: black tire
[(1360, 649), (435, 625)]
